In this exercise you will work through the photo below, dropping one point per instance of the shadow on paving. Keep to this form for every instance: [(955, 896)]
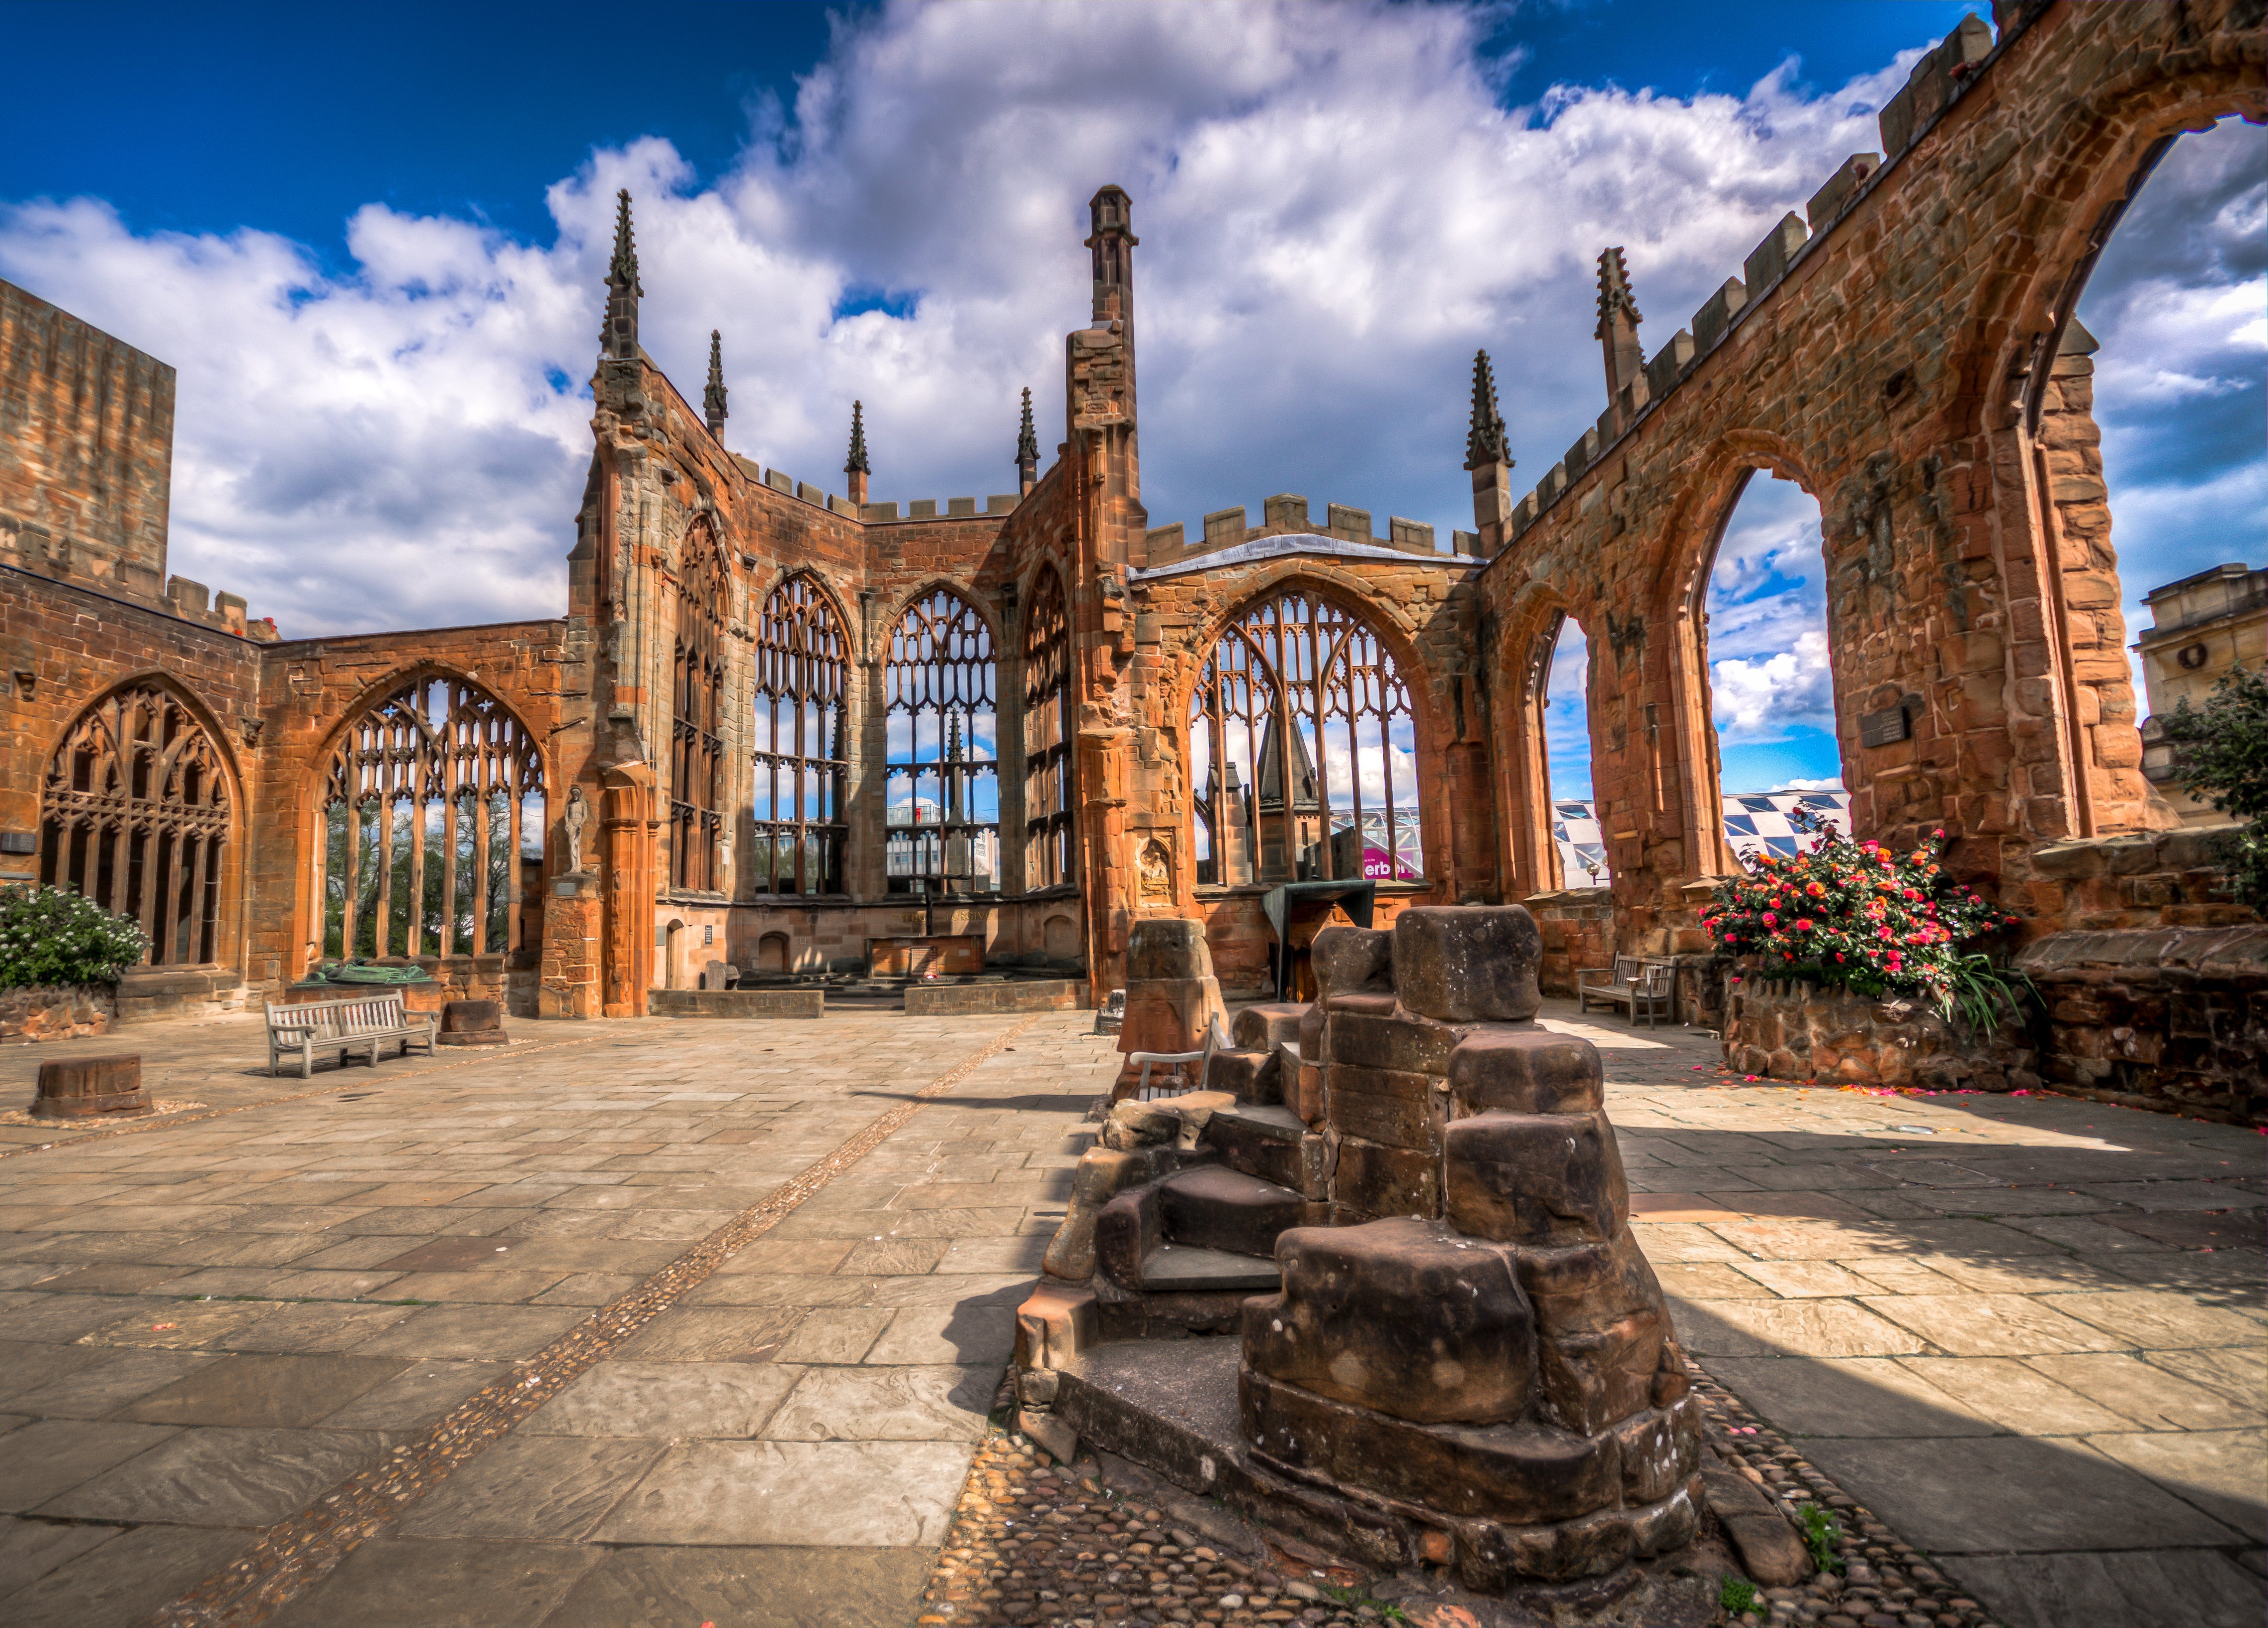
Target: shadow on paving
[(2025, 1356), (2110, 1531)]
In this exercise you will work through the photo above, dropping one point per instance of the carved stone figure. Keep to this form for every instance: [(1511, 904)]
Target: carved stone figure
[(577, 816)]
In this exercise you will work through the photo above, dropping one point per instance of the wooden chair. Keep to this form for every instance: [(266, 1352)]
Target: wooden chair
[(1145, 1092)]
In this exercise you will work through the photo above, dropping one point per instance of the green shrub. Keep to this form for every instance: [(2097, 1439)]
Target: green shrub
[(1823, 1535), (52, 935), (2224, 756), (1738, 1595)]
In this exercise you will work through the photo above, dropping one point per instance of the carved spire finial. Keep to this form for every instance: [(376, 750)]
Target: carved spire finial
[(1028, 448), (1614, 292), (712, 398), (619, 338), (623, 271), (856, 463), (1484, 441)]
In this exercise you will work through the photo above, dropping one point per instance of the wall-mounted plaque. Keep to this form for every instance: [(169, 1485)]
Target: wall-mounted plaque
[(1886, 728)]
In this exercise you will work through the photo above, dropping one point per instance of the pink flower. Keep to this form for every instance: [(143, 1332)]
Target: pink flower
[(1770, 920), (1803, 924)]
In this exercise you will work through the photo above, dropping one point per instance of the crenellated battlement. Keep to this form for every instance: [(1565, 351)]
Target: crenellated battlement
[(1286, 514), (1943, 76)]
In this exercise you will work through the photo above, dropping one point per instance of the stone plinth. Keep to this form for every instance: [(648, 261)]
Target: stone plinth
[(1172, 996), (92, 1088), (472, 1023), (944, 1000)]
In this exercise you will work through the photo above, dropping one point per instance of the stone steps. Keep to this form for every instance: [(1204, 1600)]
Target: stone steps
[(1173, 1267)]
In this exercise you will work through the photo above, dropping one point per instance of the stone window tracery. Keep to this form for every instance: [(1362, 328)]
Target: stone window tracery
[(696, 708), (431, 804), (941, 771), (136, 815), (802, 727), (1303, 751), (1047, 737)]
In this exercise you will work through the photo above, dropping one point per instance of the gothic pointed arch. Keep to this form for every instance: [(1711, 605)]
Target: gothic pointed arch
[(696, 748), (1303, 748), (431, 802), (941, 768), (139, 812), (801, 740), (1048, 735)]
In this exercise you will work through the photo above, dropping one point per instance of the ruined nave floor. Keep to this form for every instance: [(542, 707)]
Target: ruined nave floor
[(2006, 1336)]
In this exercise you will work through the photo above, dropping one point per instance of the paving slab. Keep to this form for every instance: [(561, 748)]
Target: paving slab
[(121, 1583), (441, 1583), (747, 1588), (49, 1457), (853, 1494), (667, 1400), (220, 1477), (2193, 1588), (265, 1389)]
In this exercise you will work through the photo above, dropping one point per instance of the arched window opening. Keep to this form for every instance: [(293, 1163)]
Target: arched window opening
[(1560, 685), (433, 811), (802, 726), (136, 815), (1303, 752), (1764, 650), (1047, 737), (2149, 428), (942, 787), (696, 748)]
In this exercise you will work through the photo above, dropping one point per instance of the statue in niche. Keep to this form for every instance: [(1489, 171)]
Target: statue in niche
[(578, 815), (1157, 872)]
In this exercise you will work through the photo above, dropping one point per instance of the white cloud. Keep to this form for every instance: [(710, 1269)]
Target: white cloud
[(1335, 212), (1831, 782), (1762, 698)]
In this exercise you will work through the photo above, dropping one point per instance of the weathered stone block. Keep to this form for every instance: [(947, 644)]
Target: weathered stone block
[(1397, 1040), (1397, 1109), (1100, 1176), (1350, 959), (1262, 1027), (1375, 1180), (1468, 963), (1403, 1317), (1247, 1076), (1217, 1208), (1166, 946), (1524, 1071), (1536, 1178), (1517, 1472)]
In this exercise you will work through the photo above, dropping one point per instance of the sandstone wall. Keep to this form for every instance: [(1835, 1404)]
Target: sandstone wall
[(1907, 360)]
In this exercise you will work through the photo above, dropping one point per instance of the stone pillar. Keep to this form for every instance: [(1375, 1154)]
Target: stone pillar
[(630, 825)]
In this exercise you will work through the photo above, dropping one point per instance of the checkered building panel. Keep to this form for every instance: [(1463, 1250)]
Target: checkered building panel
[(1754, 823)]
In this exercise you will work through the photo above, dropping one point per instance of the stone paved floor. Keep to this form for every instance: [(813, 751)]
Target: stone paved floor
[(207, 1326), (2027, 1332)]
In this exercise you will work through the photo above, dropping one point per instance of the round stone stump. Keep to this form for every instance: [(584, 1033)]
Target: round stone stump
[(91, 1088), (473, 1023)]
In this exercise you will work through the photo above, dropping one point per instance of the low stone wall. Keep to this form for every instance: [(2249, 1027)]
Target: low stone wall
[(1577, 927), (738, 1004), (153, 994), (1786, 1030), (57, 1013), (945, 1000), (2145, 879), (2176, 1018)]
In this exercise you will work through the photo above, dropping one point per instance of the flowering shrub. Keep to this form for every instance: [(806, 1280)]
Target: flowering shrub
[(1857, 914), (52, 935)]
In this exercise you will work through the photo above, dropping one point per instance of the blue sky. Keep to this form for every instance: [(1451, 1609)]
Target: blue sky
[(371, 242)]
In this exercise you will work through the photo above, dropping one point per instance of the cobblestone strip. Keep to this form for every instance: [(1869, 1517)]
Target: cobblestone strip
[(1884, 1583), (1038, 1545), (163, 1121), (294, 1554)]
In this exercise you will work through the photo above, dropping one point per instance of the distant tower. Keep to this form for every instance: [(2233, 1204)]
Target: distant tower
[(1488, 460), (712, 398), (856, 466), (1028, 449), (620, 337), (1618, 331)]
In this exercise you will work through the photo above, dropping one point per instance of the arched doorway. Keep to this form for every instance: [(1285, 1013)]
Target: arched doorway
[(139, 813)]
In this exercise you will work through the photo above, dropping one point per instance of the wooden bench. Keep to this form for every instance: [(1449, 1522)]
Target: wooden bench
[(359, 1023), (1645, 989)]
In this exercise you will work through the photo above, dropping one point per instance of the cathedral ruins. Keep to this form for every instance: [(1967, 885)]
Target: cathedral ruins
[(798, 733)]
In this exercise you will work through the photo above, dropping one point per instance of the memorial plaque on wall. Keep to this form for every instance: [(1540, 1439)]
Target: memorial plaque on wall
[(1886, 728)]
